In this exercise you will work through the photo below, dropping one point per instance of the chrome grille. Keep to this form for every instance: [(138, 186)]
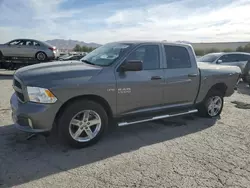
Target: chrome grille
[(17, 85), (20, 96)]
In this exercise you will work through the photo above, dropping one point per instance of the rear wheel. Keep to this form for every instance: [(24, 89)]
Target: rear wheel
[(41, 56), (212, 105), (83, 123)]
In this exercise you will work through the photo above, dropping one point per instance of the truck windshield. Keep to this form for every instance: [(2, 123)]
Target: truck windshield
[(208, 58), (106, 54)]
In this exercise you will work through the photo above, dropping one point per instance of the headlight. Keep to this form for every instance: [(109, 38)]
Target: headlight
[(249, 72), (40, 95)]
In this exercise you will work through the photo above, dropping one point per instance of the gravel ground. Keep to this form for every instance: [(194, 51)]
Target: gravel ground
[(181, 152)]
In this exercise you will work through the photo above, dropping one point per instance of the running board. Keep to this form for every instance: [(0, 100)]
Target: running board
[(156, 118)]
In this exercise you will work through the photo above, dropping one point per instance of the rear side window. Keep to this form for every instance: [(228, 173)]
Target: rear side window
[(177, 57), (244, 57), (36, 44)]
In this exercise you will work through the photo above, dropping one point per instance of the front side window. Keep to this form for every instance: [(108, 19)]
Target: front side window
[(177, 57), (148, 54), (208, 58), (15, 42), (228, 58), (106, 54)]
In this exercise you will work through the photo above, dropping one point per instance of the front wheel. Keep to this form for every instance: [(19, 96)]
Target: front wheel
[(8, 65), (212, 105), (83, 123)]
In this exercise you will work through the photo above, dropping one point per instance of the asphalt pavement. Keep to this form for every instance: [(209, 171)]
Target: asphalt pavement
[(180, 152)]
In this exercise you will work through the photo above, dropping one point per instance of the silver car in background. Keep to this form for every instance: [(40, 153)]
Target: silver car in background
[(227, 58), (28, 48)]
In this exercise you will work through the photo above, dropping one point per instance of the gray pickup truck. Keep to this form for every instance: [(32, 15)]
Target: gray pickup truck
[(123, 82)]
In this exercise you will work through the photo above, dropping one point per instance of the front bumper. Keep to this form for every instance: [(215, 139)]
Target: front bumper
[(246, 77), (32, 117)]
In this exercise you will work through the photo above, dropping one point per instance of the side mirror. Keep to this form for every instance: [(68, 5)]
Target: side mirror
[(132, 65), (219, 61)]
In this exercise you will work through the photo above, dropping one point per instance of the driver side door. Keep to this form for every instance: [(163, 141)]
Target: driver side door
[(229, 59), (141, 91), (239, 60)]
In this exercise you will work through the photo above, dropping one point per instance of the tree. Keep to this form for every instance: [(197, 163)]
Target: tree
[(240, 49), (211, 50), (247, 48), (85, 49), (77, 48), (199, 52), (227, 50)]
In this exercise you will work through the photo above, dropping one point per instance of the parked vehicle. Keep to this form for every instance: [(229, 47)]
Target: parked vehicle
[(71, 57), (246, 73), (63, 56), (227, 58), (28, 48), (122, 82)]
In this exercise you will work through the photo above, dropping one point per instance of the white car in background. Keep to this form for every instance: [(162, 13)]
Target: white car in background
[(28, 48), (227, 58)]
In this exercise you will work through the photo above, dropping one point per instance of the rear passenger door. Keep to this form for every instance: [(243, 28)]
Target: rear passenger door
[(30, 49), (181, 76)]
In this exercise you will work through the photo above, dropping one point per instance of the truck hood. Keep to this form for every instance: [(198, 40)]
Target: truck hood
[(43, 73)]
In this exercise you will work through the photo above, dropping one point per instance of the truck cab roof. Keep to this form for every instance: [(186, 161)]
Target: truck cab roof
[(137, 42)]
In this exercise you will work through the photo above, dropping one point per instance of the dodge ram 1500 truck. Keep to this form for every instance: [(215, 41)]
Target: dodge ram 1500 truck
[(125, 82)]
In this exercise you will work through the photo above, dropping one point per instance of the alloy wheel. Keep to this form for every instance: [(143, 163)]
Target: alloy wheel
[(214, 105), (41, 56), (85, 125)]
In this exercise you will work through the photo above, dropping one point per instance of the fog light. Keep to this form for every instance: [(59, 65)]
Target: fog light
[(30, 123)]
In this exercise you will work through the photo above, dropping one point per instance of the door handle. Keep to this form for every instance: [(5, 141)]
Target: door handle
[(156, 78), (192, 75)]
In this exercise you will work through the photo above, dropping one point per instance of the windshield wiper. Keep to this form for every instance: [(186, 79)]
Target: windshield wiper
[(88, 62)]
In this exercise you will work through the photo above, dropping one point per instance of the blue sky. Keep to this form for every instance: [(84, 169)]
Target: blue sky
[(103, 21)]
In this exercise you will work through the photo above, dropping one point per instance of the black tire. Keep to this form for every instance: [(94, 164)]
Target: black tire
[(1, 55), (41, 60), (203, 110), (12, 66), (248, 80), (70, 111), (7, 65)]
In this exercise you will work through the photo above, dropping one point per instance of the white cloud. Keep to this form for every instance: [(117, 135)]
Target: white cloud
[(179, 20)]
